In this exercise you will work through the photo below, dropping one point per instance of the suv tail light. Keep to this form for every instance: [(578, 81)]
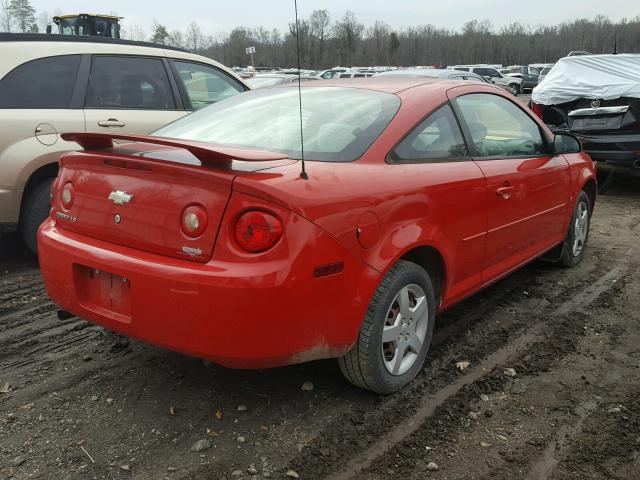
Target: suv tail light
[(537, 109), (67, 196), (257, 231), (194, 221)]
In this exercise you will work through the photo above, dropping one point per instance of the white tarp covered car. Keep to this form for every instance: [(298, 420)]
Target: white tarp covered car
[(602, 77), (596, 97)]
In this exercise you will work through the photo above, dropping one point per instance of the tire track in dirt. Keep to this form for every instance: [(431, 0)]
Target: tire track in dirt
[(579, 301), (558, 448)]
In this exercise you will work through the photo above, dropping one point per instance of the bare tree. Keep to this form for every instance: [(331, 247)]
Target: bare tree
[(135, 32), (6, 18), (195, 39), (320, 24), (176, 39), (347, 32)]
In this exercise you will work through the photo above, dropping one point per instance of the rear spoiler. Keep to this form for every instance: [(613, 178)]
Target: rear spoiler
[(207, 153)]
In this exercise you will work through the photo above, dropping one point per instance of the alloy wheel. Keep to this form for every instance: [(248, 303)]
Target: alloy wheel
[(580, 228), (405, 329)]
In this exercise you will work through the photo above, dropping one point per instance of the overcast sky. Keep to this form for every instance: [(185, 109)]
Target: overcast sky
[(215, 16)]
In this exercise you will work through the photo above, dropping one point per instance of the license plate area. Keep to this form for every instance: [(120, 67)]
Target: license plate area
[(103, 292)]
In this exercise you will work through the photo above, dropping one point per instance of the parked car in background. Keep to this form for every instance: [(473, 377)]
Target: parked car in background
[(528, 74), (493, 75), (597, 97), (55, 83), (205, 238), (355, 74), (271, 79), (333, 72), (544, 72), (439, 73)]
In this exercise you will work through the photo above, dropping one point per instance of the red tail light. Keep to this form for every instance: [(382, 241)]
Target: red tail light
[(537, 109), (257, 231), (67, 195), (194, 221)]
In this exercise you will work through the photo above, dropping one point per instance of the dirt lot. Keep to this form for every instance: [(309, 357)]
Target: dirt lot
[(552, 389)]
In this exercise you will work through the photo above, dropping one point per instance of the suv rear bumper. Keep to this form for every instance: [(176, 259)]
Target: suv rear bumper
[(614, 150), (10, 198), (244, 315)]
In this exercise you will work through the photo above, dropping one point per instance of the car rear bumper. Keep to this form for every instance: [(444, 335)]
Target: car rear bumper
[(245, 315), (621, 150), (10, 198)]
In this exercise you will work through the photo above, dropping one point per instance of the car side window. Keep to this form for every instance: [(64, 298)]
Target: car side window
[(129, 82), (42, 83), (499, 128), (436, 137), (205, 85)]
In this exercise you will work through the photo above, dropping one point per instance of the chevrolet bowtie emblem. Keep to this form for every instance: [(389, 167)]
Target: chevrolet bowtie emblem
[(119, 197)]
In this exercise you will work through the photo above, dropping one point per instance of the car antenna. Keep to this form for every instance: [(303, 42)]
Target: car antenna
[(303, 173)]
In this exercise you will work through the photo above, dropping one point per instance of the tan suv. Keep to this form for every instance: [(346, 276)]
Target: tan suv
[(50, 84)]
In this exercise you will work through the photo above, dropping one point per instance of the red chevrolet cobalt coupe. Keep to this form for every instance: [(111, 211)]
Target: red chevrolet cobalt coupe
[(206, 239)]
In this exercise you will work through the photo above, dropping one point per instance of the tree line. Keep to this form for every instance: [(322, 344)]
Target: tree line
[(325, 42)]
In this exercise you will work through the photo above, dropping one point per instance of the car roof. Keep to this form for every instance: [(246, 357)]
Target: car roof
[(48, 37), (19, 48), (383, 84), (425, 72)]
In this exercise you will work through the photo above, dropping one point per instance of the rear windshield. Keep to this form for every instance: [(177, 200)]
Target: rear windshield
[(339, 124)]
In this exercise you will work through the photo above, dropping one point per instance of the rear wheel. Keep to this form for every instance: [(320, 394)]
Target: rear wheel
[(575, 242), (34, 211), (396, 331)]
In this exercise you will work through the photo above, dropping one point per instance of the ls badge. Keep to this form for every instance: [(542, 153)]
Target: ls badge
[(119, 197)]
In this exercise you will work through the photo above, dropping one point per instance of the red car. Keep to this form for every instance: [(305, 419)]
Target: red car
[(206, 239)]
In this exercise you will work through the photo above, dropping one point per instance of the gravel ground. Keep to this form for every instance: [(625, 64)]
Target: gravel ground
[(552, 389)]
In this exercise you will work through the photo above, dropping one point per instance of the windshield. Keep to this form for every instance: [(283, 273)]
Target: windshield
[(545, 70), (339, 124), (261, 82)]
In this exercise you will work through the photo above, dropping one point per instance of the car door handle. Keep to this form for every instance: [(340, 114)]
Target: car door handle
[(504, 192), (112, 122)]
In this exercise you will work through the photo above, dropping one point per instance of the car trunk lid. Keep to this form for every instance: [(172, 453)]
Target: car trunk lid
[(135, 195)]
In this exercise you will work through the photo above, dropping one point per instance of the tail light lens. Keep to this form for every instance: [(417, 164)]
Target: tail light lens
[(257, 231), (67, 196), (537, 109), (194, 220)]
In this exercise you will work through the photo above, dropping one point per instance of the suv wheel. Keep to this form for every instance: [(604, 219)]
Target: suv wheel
[(396, 331), (35, 209)]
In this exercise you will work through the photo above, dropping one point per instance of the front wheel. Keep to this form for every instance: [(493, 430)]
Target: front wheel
[(396, 331), (575, 242), (515, 88)]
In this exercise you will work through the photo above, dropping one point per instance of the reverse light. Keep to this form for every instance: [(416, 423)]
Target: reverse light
[(67, 195), (257, 231), (194, 221)]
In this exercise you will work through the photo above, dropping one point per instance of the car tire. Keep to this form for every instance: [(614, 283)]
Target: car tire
[(385, 367), (575, 243), (515, 88), (35, 209)]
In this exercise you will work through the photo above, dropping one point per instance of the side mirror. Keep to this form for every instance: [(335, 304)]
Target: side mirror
[(566, 143), (48, 28)]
